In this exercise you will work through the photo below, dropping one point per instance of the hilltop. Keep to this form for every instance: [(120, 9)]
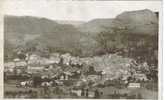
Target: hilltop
[(83, 38)]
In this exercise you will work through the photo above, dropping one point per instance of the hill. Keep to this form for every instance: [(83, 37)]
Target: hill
[(139, 22), (42, 32), (79, 38), (98, 25)]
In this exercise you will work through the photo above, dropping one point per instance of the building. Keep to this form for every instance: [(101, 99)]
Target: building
[(20, 66), (65, 76), (134, 85), (9, 67), (55, 58), (93, 77), (34, 69), (140, 77), (66, 58)]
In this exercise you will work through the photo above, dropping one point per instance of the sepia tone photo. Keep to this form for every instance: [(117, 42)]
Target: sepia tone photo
[(81, 50)]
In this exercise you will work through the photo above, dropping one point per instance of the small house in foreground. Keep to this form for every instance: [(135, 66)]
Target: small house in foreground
[(134, 85)]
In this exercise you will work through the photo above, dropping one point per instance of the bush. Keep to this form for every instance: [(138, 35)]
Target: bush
[(68, 83), (100, 85)]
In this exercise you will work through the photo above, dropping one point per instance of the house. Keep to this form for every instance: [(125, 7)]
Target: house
[(9, 66), (48, 67), (93, 77), (55, 58), (76, 61), (84, 92), (65, 76), (48, 74), (16, 60), (72, 72), (66, 58), (134, 85), (76, 91), (20, 66), (140, 77), (34, 59), (34, 69)]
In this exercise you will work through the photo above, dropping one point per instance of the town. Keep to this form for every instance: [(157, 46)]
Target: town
[(65, 76), (101, 55)]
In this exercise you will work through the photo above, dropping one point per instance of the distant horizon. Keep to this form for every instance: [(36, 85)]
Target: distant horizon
[(40, 17), (75, 10)]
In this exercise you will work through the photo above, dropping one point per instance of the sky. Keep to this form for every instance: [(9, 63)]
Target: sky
[(75, 10)]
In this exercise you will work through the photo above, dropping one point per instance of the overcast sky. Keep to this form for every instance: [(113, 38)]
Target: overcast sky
[(75, 10)]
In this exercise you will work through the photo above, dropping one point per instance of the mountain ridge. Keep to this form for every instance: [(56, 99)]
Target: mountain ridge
[(19, 30)]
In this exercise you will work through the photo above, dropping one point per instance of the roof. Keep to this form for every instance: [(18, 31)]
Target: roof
[(9, 64), (21, 63), (16, 59), (134, 85), (71, 69)]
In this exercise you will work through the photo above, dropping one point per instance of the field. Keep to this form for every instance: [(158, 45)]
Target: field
[(108, 92)]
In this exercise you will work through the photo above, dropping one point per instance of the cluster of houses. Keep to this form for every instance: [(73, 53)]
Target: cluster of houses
[(66, 67)]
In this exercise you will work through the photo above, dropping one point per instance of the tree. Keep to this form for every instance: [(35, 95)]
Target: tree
[(111, 40), (139, 96), (22, 56), (36, 81)]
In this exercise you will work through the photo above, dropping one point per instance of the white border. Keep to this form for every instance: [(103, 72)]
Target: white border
[(161, 54)]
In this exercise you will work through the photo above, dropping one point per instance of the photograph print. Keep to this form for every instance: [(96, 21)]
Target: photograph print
[(81, 49)]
